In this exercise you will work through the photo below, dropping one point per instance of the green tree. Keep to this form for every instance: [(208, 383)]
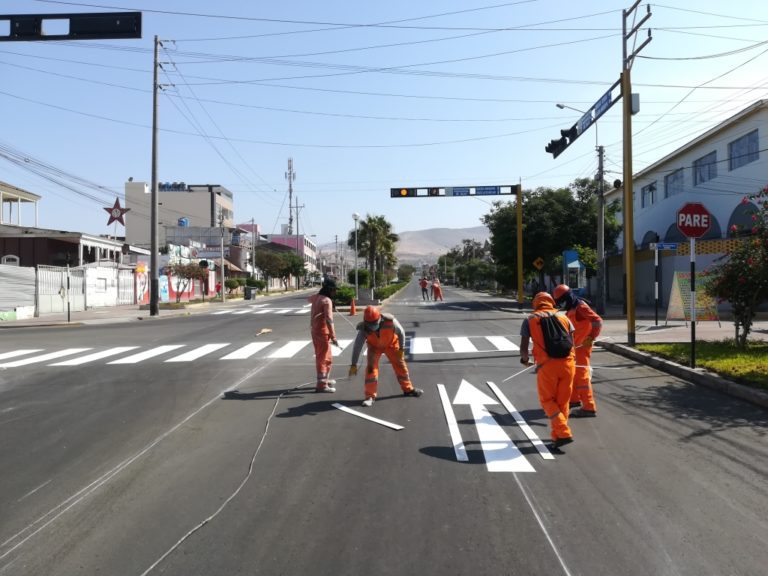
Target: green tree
[(184, 274), (376, 243), (405, 272), (291, 265), (742, 279)]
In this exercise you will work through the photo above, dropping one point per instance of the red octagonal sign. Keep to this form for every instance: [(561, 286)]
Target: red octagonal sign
[(694, 220)]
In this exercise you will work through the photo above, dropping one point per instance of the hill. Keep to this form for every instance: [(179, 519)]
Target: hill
[(419, 245)]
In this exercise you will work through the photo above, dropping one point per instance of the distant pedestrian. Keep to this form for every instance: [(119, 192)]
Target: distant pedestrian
[(554, 376), (323, 334), (384, 335), (437, 290), (218, 288), (587, 324), (424, 293)]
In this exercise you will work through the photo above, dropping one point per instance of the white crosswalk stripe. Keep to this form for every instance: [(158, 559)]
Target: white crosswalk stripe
[(416, 345)]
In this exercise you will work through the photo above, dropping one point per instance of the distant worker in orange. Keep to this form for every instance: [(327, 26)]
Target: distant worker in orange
[(554, 376), (437, 289), (384, 335), (323, 334), (587, 324), (424, 293)]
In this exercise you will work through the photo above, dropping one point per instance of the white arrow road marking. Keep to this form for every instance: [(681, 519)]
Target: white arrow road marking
[(501, 454), (366, 417), (246, 351), (44, 357), (95, 356), (289, 349), (502, 343), (421, 346), (337, 350), (453, 426), (532, 436), (15, 353), (197, 352), (462, 344), (136, 358)]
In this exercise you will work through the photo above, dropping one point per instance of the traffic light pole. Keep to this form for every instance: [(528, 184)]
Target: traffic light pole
[(601, 301)]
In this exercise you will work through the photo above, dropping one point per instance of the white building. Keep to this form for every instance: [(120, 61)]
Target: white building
[(717, 169)]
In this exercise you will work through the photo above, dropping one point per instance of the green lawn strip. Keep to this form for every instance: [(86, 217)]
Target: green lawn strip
[(749, 366)]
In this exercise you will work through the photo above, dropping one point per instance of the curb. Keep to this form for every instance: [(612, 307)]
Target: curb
[(694, 375)]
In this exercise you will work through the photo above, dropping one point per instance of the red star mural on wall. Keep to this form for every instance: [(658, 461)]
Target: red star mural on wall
[(116, 213)]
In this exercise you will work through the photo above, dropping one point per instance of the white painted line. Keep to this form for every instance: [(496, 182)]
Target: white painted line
[(421, 346), (95, 356), (257, 305), (520, 421), (366, 417), (220, 312), (303, 311), (136, 358), (502, 343), (15, 353), (44, 357), (246, 351), (462, 344), (453, 426), (284, 311), (241, 312), (337, 350), (265, 311), (501, 454), (197, 353), (289, 349)]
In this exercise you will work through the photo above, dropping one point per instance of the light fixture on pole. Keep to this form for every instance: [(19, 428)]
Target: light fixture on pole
[(600, 300), (356, 217)]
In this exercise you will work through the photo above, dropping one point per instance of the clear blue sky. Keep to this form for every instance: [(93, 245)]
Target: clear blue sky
[(363, 96)]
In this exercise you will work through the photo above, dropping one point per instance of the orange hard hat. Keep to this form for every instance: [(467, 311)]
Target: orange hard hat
[(542, 298), (371, 314), (560, 291)]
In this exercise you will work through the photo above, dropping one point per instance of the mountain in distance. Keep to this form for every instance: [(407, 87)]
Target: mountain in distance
[(426, 245)]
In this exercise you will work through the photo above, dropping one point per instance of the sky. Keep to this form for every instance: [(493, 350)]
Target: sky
[(363, 97)]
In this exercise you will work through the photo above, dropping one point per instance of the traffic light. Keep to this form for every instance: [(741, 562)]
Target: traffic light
[(556, 147), (572, 133), (402, 192)]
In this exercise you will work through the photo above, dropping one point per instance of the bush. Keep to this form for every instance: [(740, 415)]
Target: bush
[(387, 291), (240, 281), (344, 295), (231, 284), (251, 282)]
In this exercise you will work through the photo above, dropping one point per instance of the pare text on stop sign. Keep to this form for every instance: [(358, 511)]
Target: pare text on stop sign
[(693, 220)]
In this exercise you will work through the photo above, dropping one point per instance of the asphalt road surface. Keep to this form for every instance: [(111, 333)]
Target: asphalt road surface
[(197, 446)]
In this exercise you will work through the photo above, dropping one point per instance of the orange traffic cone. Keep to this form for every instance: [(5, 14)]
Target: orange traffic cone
[(353, 309)]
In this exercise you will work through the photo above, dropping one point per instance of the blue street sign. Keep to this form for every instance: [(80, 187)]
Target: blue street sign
[(666, 246)]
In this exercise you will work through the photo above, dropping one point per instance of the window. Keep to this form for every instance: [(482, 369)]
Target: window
[(673, 183), (743, 151), (705, 168), (648, 195)]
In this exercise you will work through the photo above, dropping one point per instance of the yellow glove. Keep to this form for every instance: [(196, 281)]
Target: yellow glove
[(588, 341), (352, 371), (401, 353)]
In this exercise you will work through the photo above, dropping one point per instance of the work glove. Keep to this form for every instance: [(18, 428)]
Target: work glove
[(335, 342), (401, 354), (352, 371), (588, 341)]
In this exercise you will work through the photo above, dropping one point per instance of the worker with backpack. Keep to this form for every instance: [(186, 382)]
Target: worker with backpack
[(552, 336)]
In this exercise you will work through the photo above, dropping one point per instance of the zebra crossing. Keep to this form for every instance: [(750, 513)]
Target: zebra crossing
[(260, 309), (227, 351)]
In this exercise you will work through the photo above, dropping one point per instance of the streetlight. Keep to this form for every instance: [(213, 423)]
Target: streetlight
[(356, 217), (600, 218)]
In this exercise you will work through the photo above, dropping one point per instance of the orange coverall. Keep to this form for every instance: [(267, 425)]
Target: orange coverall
[(323, 333), (389, 340), (587, 324), (554, 376)]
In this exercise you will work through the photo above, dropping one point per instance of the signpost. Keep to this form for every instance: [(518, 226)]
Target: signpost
[(656, 246), (693, 221)]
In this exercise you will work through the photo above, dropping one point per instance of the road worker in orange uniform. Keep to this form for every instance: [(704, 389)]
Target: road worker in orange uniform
[(554, 376), (437, 290), (384, 335), (587, 324), (323, 334)]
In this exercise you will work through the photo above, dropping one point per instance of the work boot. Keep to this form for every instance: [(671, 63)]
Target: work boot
[(582, 413), (559, 442), (415, 392), (368, 402), (573, 405), (325, 389)]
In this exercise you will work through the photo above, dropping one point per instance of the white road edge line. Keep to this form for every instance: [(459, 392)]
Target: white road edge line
[(366, 417)]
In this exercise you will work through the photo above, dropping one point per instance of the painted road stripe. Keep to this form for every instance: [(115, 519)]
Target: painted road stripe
[(337, 350), (284, 311), (221, 312), (532, 436), (197, 352), (462, 344), (95, 356), (453, 426), (265, 311), (421, 346), (246, 311), (366, 417), (15, 353), (136, 358), (246, 351), (44, 357), (502, 343), (289, 349), (303, 311)]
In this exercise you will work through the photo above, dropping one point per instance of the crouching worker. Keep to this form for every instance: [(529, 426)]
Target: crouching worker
[(384, 335)]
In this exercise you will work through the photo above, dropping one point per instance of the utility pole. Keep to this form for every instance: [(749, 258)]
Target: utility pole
[(221, 272), (629, 231), (600, 231), (299, 251), (253, 248), (290, 175), (154, 281)]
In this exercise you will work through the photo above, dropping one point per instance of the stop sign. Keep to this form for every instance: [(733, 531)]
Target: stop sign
[(694, 220)]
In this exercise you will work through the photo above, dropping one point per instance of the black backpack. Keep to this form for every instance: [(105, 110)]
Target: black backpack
[(558, 342)]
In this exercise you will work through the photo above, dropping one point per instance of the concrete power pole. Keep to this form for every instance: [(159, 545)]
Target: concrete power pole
[(601, 300), (154, 280), (290, 175)]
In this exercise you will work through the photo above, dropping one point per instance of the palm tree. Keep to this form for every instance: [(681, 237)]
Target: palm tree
[(375, 242)]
